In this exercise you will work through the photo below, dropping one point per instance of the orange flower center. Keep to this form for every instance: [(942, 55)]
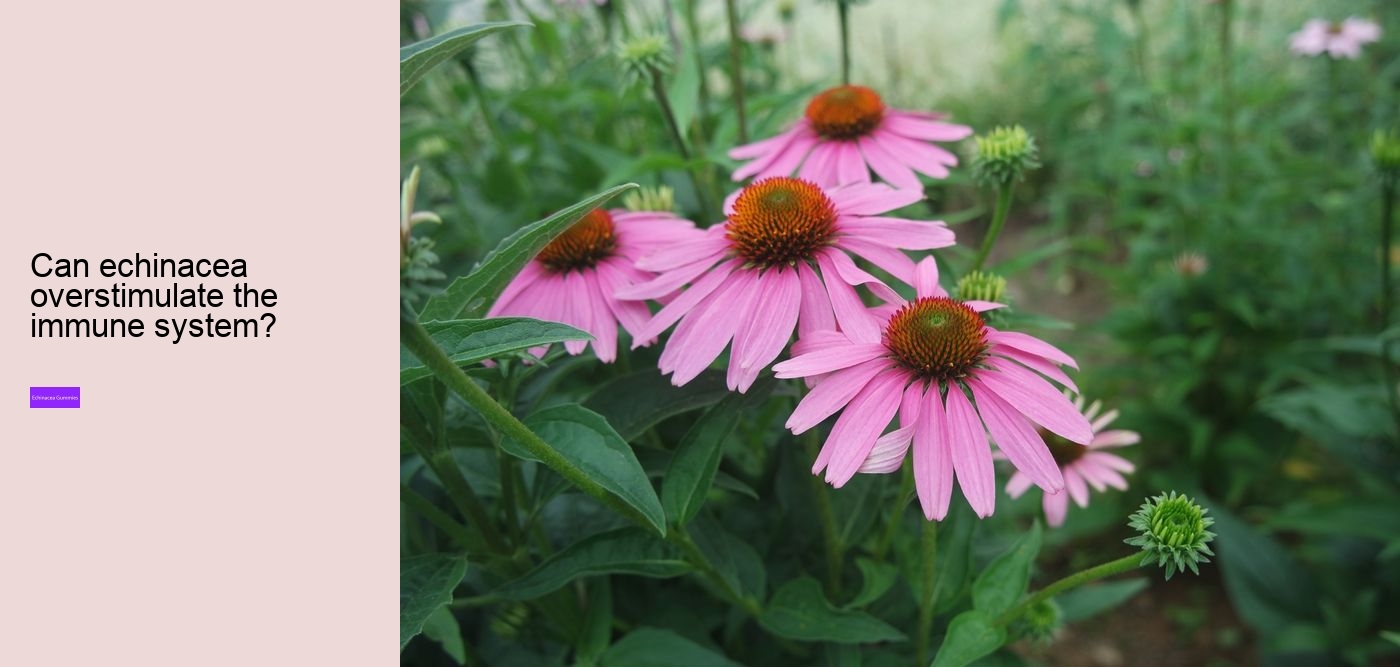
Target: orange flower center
[(937, 338), (780, 221), (591, 240), (845, 112)]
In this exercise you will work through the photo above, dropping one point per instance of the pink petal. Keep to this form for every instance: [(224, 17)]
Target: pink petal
[(779, 296), (576, 313), (829, 360), (923, 158), (1032, 345), (890, 260), (705, 331), (1115, 438), (1103, 420), (832, 395), (920, 128), (604, 327), (1033, 397), (871, 198), (782, 159), (972, 457), (820, 167), (851, 314), (1074, 485), (1111, 461), (853, 275), (522, 282), (711, 247), (632, 315), (815, 313), (1018, 484), (887, 167), (763, 147), (926, 278), (1056, 506), (1017, 439), (933, 460), (1037, 364), (664, 284), (858, 427), (888, 454), (850, 166), (819, 340), (687, 300), (1090, 472), (899, 232)]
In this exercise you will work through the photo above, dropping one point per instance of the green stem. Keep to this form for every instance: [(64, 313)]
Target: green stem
[(522, 185), (906, 485), (831, 538), (998, 221), (696, 558), (426, 509), (416, 339), (1227, 94), (658, 88), (1388, 183), (928, 549), (843, 11), (505, 464), (445, 467), (736, 69), (1124, 564)]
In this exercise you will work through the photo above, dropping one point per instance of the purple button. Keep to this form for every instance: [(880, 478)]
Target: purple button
[(54, 397)]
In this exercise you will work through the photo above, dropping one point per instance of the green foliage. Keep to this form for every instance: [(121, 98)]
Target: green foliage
[(622, 551), (971, 635), (416, 59), (474, 341), (800, 611), (425, 585), (1003, 582)]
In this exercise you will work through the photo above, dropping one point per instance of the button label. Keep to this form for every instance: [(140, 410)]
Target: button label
[(55, 397)]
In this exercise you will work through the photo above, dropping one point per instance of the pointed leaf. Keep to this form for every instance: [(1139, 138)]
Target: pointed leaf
[(621, 551), (425, 584), (1086, 601), (416, 59), (876, 580), (692, 470), (472, 294), (634, 403), (971, 635), (473, 341), (800, 611), (653, 647), (1004, 581)]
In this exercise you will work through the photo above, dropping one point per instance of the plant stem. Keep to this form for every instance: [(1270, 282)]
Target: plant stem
[(906, 485), (505, 464), (680, 538), (843, 11), (521, 184), (928, 550), (998, 221), (736, 69), (1227, 94), (658, 88), (416, 339), (445, 467), (1124, 564), (1388, 182), (437, 517), (831, 539)]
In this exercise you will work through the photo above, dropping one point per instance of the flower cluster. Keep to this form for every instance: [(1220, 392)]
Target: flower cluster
[(794, 256), (1337, 40)]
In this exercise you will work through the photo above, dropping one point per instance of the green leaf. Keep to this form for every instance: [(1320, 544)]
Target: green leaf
[(587, 441), (1086, 601), (473, 341), (1004, 581), (685, 88), (876, 580), (425, 584), (621, 551), (442, 628), (732, 557), (598, 621), (952, 575), (416, 59), (652, 647), (472, 294), (636, 402), (799, 611), (693, 467), (1268, 588), (971, 635)]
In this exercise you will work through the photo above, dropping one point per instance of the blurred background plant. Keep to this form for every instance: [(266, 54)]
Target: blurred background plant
[(1208, 214)]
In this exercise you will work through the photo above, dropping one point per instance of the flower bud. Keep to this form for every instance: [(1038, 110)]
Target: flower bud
[(643, 55), (1385, 150), (981, 286), (1004, 155), (1172, 531), (646, 198)]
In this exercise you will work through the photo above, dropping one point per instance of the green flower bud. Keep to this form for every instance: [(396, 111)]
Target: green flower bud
[(643, 55), (659, 198), (1172, 531), (981, 286), (1004, 155), (1041, 620), (1385, 150), (786, 9)]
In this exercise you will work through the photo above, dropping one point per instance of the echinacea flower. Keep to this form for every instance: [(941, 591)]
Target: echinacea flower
[(781, 261), (952, 380), (574, 278), (846, 132), (1082, 466), (1338, 40)]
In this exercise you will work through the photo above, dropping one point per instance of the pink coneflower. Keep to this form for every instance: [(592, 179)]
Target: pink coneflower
[(1082, 466), (948, 375), (1339, 40), (780, 261), (573, 279), (846, 132)]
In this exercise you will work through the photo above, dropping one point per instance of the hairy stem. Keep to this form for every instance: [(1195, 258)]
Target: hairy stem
[(831, 538), (736, 69), (663, 100), (998, 221), (843, 11), (928, 573), (1124, 564)]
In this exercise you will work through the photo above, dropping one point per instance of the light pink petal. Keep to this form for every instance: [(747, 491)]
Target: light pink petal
[(1037, 364), (887, 167), (832, 395), (815, 313), (1074, 485), (763, 147), (1105, 475), (1339, 47), (632, 315), (1018, 484), (853, 275), (858, 427), (1056, 506), (1103, 420), (915, 127), (711, 247), (888, 454), (933, 460), (980, 306), (1115, 438), (890, 260), (764, 335), (900, 232), (1032, 345), (851, 314), (664, 284), (1017, 439), (576, 310), (829, 360), (522, 282), (817, 341), (1361, 31), (871, 198), (926, 278), (1111, 461), (604, 327), (687, 300), (1090, 472), (924, 158), (705, 331), (972, 457), (1034, 397), (785, 163), (850, 166), (820, 167)]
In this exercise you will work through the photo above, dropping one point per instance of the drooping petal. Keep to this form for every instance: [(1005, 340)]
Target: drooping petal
[(1038, 364), (763, 147), (855, 276), (923, 158), (926, 278), (604, 325), (972, 457), (829, 360), (833, 394), (1016, 438), (887, 167), (871, 198), (762, 337), (664, 284), (858, 427), (521, 283), (705, 331), (888, 454), (815, 313), (820, 167), (915, 127), (891, 260), (1074, 485), (1115, 438), (933, 459), (850, 166), (1032, 345), (632, 315), (900, 232), (1034, 397), (1111, 461), (710, 247), (1018, 484), (1056, 506), (672, 312), (851, 314), (1103, 420)]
